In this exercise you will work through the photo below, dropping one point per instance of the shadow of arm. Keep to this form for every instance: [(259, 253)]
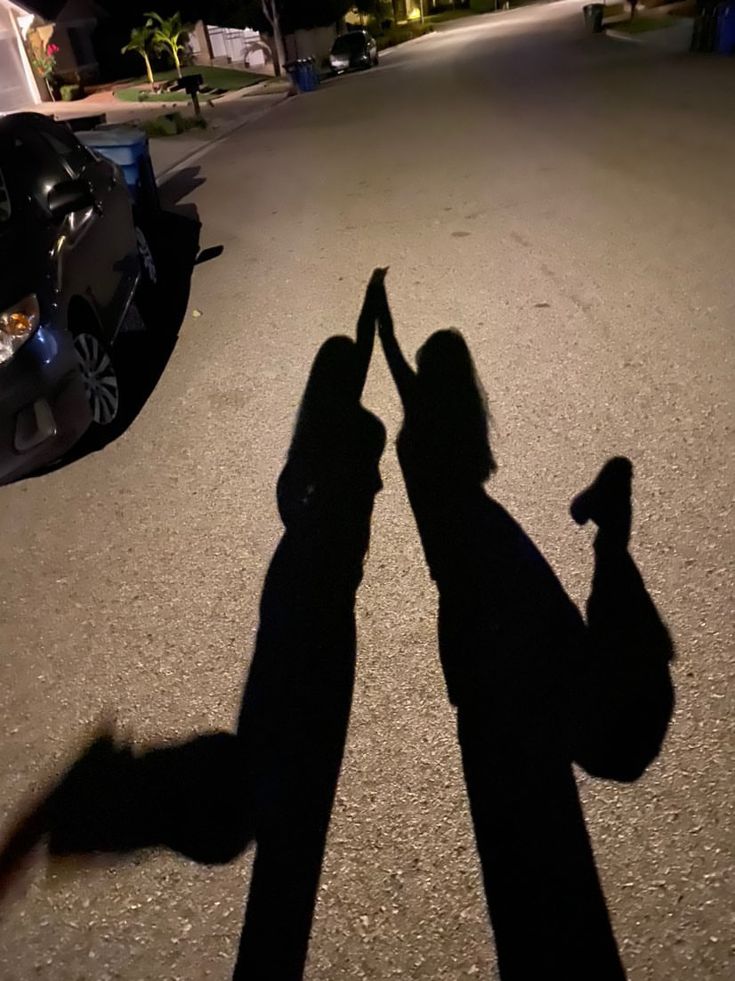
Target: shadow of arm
[(402, 373), (366, 325)]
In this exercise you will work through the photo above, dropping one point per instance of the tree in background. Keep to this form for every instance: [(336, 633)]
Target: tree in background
[(140, 41), (277, 18), (272, 14), (297, 15), (169, 34), (114, 30), (368, 8)]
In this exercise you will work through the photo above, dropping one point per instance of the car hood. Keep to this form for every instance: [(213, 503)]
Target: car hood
[(24, 262)]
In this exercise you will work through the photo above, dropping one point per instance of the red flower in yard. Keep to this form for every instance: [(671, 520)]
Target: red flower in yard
[(52, 49)]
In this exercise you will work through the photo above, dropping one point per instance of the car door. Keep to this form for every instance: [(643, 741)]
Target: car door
[(100, 254), (118, 258)]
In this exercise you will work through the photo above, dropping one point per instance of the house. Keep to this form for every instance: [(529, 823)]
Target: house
[(27, 27)]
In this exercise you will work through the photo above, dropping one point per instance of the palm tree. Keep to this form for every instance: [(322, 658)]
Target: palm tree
[(140, 39), (168, 33)]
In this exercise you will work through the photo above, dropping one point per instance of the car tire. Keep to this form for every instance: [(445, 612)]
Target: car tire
[(99, 375)]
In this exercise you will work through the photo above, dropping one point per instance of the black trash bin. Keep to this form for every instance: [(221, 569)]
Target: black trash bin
[(593, 14), (292, 72), (706, 27)]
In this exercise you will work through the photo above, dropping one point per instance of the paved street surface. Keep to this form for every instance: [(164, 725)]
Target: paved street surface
[(566, 201)]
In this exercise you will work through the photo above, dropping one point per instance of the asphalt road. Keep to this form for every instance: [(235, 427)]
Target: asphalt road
[(564, 200)]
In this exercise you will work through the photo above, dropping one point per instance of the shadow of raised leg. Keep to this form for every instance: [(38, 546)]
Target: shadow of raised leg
[(625, 698)]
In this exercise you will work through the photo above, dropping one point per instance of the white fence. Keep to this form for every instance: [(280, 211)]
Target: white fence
[(233, 44)]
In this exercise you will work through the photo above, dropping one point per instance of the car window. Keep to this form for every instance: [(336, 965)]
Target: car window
[(349, 42), (69, 150), (5, 209), (37, 160), (37, 167)]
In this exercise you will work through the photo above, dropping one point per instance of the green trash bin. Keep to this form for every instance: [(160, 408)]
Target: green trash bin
[(593, 14)]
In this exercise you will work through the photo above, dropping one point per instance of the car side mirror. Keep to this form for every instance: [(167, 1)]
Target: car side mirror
[(69, 196)]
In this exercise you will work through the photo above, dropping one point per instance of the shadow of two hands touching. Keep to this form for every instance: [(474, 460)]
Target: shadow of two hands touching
[(536, 687)]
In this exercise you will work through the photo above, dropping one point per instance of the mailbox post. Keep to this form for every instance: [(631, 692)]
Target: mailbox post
[(191, 85)]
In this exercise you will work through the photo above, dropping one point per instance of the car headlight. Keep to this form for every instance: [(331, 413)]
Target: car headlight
[(17, 323)]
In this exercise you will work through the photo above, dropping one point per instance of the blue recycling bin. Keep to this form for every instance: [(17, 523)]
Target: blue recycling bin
[(304, 74), (127, 146), (314, 73), (725, 43)]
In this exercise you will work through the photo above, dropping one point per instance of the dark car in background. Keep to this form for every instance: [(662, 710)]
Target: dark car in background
[(354, 50), (69, 268)]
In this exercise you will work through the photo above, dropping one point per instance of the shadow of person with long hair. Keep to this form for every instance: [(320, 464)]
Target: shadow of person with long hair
[(531, 682), (272, 782)]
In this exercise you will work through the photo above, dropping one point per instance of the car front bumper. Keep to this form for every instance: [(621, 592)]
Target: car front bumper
[(43, 406)]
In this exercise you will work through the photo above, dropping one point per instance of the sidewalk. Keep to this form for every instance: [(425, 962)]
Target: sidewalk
[(168, 153), (223, 115)]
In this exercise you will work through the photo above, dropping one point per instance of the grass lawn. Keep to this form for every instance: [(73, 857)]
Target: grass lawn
[(131, 95), (226, 79)]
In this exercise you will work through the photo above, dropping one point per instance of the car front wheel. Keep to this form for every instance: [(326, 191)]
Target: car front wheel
[(100, 378)]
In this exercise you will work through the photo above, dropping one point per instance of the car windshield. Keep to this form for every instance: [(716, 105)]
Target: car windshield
[(349, 43), (4, 199)]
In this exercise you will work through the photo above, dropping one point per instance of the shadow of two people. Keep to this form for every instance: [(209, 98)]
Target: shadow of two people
[(535, 687)]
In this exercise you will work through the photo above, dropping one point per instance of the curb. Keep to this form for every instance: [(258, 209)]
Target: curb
[(200, 152), (413, 40), (621, 36), (236, 95)]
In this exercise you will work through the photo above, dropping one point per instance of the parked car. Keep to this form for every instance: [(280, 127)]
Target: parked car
[(69, 268), (356, 49)]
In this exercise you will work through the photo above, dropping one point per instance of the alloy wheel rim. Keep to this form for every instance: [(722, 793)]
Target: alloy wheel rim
[(99, 377)]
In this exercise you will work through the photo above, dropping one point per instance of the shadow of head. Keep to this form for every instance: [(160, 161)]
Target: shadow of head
[(454, 406), (334, 379), (337, 443)]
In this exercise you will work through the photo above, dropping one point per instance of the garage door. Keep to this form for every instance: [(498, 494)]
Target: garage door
[(14, 92)]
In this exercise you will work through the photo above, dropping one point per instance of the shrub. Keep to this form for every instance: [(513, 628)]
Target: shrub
[(171, 124), (70, 93)]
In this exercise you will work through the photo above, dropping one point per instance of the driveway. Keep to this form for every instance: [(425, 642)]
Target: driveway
[(565, 201)]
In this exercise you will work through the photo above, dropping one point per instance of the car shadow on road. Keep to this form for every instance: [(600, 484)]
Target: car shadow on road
[(179, 186), (148, 338), (272, 781), (535, 687), (142, 355)]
